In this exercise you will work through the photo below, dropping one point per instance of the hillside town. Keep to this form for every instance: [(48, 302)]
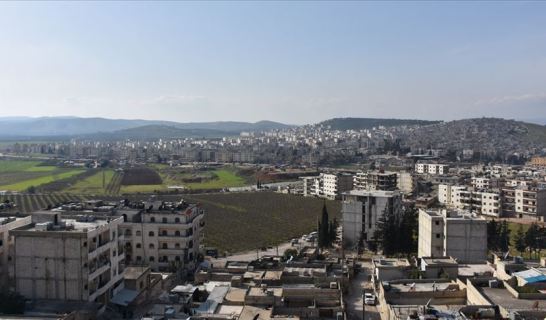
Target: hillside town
[(146, 258), (272, 160)]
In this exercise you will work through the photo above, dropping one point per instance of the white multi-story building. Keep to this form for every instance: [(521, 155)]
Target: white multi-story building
[(362, 209), (163, 235), (78, 259), (457, 234), (327, 185), (524, 201), (431, 168), (486, 202), (480, 182)]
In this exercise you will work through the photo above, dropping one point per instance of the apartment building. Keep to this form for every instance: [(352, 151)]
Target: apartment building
[(480, 182), (78, 259), (486, 202), (334, 184), (6, 245), (362, 209), (163, 235), (404, 182), (310, 186), (431, 168), (327, 185), (452, 233), (538, 161), (376, 180), (525, 201)]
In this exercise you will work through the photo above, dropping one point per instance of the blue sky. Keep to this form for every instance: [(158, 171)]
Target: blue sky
[(295, 62)]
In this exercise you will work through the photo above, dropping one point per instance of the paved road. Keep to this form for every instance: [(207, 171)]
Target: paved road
[(253, 254), (354, 297)]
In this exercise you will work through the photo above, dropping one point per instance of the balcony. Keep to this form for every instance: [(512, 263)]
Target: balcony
[(97, 272), (172, 251)]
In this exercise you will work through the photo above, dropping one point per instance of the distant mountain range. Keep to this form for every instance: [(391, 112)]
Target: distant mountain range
[(476, 132), (73, 126)]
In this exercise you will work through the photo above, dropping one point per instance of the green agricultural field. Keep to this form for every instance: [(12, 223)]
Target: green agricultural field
[(19, 175), (223, 179), (237, 222), (211, 179), (93, 184), (17, 165), (50, 177)]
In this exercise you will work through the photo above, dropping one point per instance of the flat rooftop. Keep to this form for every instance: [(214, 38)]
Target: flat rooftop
[(440, 261), (391, 262), (72, 225), (424, 287), (373, 193), (259, 292), (133, 273), (501, 296), (470, 270)]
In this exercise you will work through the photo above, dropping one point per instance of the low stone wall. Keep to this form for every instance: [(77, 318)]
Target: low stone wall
[(474, 296)]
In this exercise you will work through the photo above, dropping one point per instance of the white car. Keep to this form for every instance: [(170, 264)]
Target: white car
[(369, 299)]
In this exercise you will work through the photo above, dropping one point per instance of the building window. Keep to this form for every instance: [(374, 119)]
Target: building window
[(113, 234), (138, 258), (177, 258), (151, 246), (138, 245), (437, 236), (177, 245), (164, 232), (177, 233), (138, 233), (437, 223), (152, 219), (164, 246), (152, 259), (164, 220), (177, 220), (151, 234)]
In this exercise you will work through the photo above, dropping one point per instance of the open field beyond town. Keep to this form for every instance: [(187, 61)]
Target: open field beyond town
[(19, 175)]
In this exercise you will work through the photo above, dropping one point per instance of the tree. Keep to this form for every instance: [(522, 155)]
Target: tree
[(290, 252), (31, 189), (504, 240), (493, 235), (386, 233), (408, 229), (531, 238), (519, 240), (332, 232), (323, 229)]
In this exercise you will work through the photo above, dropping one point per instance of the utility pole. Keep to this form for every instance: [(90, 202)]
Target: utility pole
[(363, 304)]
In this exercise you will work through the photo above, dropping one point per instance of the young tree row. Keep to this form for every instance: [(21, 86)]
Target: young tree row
[(396, 234)]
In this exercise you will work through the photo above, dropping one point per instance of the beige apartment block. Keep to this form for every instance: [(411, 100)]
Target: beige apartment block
[(77, 259), (6, 246)]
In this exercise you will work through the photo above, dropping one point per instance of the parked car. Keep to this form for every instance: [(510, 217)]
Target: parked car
[(369, 299)]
